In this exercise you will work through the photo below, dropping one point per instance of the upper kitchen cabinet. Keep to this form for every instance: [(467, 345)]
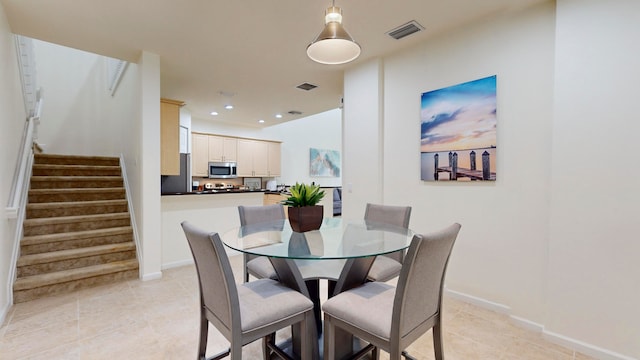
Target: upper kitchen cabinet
[(170, 136), (252, 158), (258, 158), (223, 148), (200, 155), (275, 168)]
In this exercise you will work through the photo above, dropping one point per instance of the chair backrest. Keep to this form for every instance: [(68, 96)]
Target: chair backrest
[(260, 213), (419, 289), (218, 291), (388, 214)]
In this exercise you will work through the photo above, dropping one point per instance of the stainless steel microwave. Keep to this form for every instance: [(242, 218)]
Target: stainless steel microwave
[(223, 170)]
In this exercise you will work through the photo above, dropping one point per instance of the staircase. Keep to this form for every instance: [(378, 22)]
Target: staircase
[(77, 230)]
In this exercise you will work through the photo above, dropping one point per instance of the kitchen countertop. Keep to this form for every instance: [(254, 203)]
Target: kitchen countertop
[(216, 191)]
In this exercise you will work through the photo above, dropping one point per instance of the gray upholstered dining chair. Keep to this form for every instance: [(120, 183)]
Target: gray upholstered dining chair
[(387, 266), (247, 312), (403, 313), (259, 266)]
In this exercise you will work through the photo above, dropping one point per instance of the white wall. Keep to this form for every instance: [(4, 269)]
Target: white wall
[(518, 48), (79, 115), (149, 217), (551, 241), (362, 162), (320, 131), (594, 273), (12, 119)]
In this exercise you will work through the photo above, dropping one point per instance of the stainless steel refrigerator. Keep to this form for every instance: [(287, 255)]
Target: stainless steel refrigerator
[(171, 184)]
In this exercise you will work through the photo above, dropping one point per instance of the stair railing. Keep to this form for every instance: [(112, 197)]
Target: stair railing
[(16, 207), (22, 172), (132, 215)]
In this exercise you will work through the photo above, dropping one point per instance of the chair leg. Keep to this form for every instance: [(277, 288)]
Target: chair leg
[(266, 349), (437, 341), (236, 350), (407, 356), (375, 354), (246, 272), (204, 333), (329, 340)]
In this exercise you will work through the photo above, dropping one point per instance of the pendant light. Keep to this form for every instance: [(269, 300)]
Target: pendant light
[(333, 45)]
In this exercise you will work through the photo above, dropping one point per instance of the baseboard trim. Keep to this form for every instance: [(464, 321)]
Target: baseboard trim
[(527, 324), (3, 313), (576, 345), (483, 303), (585, 348), (152, 276), (176, 264)]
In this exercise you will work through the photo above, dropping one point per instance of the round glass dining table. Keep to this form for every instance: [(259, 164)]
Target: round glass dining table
[(341, 251), (336, 239)]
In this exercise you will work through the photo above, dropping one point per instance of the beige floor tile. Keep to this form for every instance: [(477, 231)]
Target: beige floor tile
[(68, 351), (39, 340), (159, 319), (46, 317), (581, 356)]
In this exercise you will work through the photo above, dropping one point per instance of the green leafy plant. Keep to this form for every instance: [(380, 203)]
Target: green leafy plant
[(304, 195)]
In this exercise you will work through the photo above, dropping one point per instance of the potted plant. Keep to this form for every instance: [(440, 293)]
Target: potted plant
[(304, 212)]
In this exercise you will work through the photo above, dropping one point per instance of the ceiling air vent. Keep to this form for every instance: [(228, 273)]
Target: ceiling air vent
[(306, 86), (294, 112), (405, 30)]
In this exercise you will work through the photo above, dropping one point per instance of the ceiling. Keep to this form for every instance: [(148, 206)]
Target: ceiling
[(249, 53)]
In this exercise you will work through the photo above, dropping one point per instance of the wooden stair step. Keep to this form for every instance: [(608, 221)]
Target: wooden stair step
[(58, 182), (36, 244), (75, 170), (75, 159), (53, 256), (74, 219), (41, 226), (77, 235), (70, 208), (76, 194), (38, 286), (48, 262), (31, 282)]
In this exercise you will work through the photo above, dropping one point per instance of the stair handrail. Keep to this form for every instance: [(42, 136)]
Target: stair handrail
[(24, 161)]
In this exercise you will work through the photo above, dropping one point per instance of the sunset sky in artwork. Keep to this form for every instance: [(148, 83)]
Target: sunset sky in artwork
[(459, 117)]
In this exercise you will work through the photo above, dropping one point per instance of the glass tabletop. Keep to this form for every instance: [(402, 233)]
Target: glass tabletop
[(337, 239)]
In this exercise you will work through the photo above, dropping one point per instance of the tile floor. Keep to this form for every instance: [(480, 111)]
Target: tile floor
[(159, 320)]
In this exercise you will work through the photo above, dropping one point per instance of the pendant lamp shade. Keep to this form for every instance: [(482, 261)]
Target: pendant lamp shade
[(333, 45)]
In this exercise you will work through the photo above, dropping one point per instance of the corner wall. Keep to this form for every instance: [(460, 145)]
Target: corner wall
[(594, 273), (552, 242), (12, 119)]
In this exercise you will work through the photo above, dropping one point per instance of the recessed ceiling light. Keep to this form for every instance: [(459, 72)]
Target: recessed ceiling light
[(260, 121), (279, 116), (214, 113), (228, 107)]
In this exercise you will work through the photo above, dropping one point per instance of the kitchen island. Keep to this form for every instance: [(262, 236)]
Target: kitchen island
[(210, 211)]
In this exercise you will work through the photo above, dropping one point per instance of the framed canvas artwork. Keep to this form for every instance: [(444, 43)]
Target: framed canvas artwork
[(458, 132), (324, 162)]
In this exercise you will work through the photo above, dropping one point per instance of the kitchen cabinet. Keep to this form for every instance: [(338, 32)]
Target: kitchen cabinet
[(200, 155), (170, 136), (255, 158), (252, 158), (274, 163), (223, 148)]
